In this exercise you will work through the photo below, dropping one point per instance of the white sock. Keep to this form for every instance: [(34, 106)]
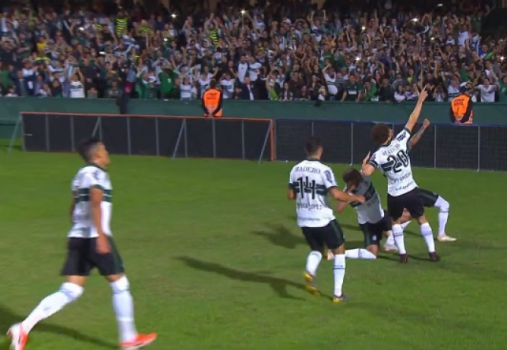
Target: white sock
[(123, 305), (390, 238), (339, 273), (359, 253), (443, 214), (428, 236), (53, 303), (405, 224), (399, 239), (313, 261)]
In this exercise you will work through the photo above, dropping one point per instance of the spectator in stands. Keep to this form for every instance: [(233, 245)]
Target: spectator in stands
[(278, 51)]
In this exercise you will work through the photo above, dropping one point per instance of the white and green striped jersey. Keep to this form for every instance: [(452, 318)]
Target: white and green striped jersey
[(88, 177), (311, 180)]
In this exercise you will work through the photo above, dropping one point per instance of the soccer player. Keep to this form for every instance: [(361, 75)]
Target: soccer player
[(393, 160), (430, 199), (309, 183), (370, 215), (90, 245)]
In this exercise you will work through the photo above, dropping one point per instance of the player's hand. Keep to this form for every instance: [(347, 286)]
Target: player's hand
[(360, 199), (423, 94), (103, 246), (426, 123)]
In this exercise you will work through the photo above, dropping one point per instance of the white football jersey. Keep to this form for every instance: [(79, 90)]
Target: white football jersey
[(393, 160), (88, 177), (311, 180)]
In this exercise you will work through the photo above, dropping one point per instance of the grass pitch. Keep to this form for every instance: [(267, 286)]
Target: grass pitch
[(214, 258)]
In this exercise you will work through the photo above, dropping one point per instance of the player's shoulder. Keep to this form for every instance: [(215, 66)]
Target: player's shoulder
[(403, 135), (94, 171)]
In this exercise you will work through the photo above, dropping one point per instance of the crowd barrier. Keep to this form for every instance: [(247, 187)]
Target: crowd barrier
[(442, 146)]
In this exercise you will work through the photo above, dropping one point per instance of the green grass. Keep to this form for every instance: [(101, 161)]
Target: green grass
[(214, 258)]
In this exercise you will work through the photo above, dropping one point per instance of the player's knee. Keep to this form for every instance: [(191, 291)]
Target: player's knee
[(120, 285), (71, 290), (444, 205), (373, 249)]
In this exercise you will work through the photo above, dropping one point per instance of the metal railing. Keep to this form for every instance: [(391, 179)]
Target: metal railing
[(442, 145)]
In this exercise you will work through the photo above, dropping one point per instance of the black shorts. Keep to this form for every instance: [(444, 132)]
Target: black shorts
[(410, 201), (330, 236), (373, 232), (428, 198), (82, 258)]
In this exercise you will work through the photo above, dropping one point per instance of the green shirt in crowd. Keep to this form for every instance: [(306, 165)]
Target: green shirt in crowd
[(352, 90), (167, 81)]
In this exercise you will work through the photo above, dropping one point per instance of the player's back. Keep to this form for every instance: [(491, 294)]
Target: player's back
[(88, 177), (371, 210), (393, 160), (311, 181)]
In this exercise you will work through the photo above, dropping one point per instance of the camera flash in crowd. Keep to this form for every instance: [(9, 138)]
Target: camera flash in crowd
[(358, 58), (440, 5), (363, 28), (415, 19), (81, 28), (502, 58), (242, 12), (432, 38), (173, 15)]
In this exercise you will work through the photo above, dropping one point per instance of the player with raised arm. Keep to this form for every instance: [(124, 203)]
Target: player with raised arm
[(402, 192), (309, 183), (370, 215), (90, 245), (429, 198)]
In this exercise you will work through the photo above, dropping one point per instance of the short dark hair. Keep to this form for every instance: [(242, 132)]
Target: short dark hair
[(312, 145), (380, 133), (352, 175), (213, 84), (86, 148)]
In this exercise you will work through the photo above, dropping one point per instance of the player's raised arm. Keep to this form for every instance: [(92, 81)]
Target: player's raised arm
[(414, 116), (369, 165), (417, 136)]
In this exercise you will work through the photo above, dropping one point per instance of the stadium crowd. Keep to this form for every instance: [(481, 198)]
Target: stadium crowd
[(279, 51)]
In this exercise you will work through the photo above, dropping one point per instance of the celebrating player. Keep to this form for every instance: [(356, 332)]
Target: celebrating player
[(430, 199), (90, 245), (393, 160), (370, 215), (309, 183)]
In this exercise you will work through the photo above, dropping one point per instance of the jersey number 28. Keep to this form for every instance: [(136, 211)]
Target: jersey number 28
[(396, 162)]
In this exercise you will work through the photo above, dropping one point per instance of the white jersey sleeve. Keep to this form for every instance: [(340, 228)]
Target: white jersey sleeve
[(329, 179)]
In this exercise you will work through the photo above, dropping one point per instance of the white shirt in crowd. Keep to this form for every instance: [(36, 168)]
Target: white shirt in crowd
[(227, 88), (252, 70), (242, 70), (185, 91), (331, 84), (399, 97), (487, 93), (77, 90)]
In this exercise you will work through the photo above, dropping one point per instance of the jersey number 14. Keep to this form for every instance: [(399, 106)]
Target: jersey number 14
[(396, 162)]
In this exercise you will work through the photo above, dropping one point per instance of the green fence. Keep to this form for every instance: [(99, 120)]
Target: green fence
[(10, 108)]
